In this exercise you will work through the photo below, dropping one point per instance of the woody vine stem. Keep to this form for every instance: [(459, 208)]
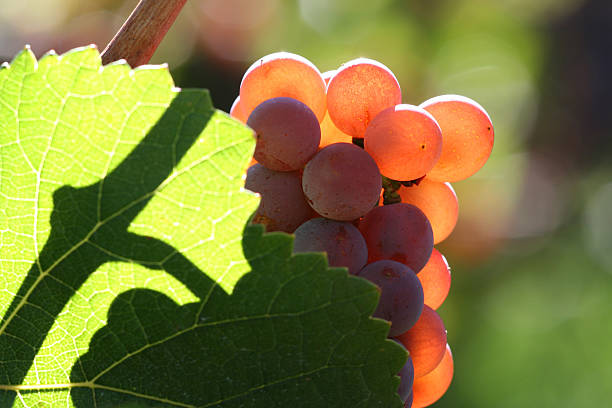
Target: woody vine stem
[(138, 38)]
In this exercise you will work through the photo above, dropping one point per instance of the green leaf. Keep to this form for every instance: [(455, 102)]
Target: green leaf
[(127, 275)]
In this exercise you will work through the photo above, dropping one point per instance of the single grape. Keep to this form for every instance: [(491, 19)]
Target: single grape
[(288, 133), (400, 232), (329, 132), (342, 182), (284, 74), (283, 206), (405, 141), (401, 298), (341, 240), (425, 341), (406, 375), (435, 278), (439, 203), (467, 134), (431, 387), (358, 91), (237, 110), (408, 401)]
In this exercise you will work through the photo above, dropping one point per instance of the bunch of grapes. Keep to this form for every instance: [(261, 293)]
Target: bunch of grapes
[(347, 168)]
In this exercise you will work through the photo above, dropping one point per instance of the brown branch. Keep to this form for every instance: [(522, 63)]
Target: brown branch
[(142, 32)]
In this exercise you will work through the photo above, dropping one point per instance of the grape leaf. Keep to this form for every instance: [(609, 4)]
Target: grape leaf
[(127, 275)]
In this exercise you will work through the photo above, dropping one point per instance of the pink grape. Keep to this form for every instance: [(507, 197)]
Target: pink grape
[(467, 134), (342, 182), (400, 232), (358, 91), (405, 141), (342, 241), (283, 74), (283, 206), (288, 133)]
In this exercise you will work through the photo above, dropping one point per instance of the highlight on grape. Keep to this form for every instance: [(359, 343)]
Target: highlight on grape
[(349, 169)]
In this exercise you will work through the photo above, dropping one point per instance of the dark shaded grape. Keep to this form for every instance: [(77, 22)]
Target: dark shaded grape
[(408, 400), (400, 232), (342, 182), (283, 206), (342, 241), (288, 133), (401, 298), (406, 375)]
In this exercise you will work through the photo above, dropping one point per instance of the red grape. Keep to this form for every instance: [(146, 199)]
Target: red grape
[(358, 91), (400, 232), (467, 134), (237, 110), (425, 341), (439, 203), (283, 206), (283, 74), (288, 133), (329, 132), (342, 182), (405, 141), (342, 241), (431, 387), (435, 278), (401, 298)]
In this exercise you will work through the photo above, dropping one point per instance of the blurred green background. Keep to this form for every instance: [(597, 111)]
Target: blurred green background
[(529, 316)]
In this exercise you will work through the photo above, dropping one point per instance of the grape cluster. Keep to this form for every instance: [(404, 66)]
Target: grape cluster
[(347, 168)]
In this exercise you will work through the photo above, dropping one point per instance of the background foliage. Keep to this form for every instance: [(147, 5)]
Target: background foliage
[(528, 314)]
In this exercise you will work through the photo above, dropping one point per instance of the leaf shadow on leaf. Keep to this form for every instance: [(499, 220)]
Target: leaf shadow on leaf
[(89, 228), (292, 333)]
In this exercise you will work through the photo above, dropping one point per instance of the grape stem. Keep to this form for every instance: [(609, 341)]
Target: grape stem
[(138, 38)]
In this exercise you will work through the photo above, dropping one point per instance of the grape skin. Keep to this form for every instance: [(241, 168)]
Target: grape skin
[(358, 91), (329, 132), (425, 341), (283, 74), (467, 134), (400, 232), (288, 133), (438, 202), (405, 141), (431, 387), (401, 298), (435, 278), (342, 182), (406, 375), (283, 206), (237, 111), (341, 240)]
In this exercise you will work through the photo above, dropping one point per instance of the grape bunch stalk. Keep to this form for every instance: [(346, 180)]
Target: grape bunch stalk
[(350, 170)]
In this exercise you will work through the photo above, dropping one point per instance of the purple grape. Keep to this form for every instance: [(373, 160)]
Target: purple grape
[(401, 298), (400, 232), (283, 206), (342, 241), (406, 375), (408, 400), (342, 182), (288, 133)]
